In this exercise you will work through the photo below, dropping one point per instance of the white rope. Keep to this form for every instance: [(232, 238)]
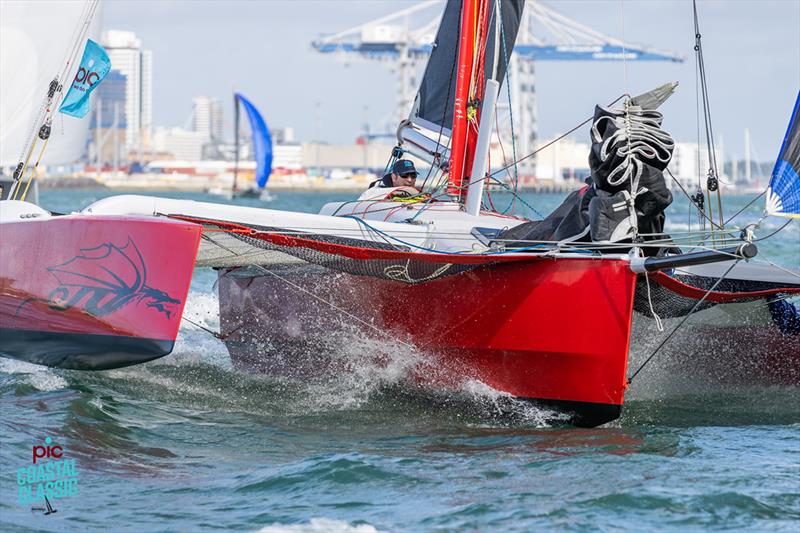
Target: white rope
[(638, 134), (659, 324)]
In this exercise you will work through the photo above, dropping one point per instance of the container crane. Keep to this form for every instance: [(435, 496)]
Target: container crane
[(544, 35)]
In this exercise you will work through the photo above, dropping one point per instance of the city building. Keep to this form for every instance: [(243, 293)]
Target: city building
[(690, 165), (319, 156), (207, 117), (287, 156), (564, 160), (282, 135), (129, 59), (182, 144), (109, 122)]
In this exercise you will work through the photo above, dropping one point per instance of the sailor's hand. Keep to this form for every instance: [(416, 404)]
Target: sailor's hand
[(404, 192)]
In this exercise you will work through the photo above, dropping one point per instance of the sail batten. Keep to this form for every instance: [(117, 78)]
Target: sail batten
[(783, 194)]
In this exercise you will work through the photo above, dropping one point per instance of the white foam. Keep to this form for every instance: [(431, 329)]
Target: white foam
[(367, 365), (504, 403), (320, 525), (40, 377)]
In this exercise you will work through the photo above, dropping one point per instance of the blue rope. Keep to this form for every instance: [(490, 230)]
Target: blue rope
[(518, 196)]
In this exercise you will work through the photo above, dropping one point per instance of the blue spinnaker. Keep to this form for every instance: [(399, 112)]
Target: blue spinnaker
[(783, 194), (262, 141)]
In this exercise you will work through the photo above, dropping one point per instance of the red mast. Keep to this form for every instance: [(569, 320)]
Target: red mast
[(466, 47), (469, 82)]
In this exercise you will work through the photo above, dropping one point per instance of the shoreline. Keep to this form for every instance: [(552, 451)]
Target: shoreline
[(204, 187), (201, 186)]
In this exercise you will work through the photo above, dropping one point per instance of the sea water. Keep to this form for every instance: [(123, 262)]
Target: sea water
[(188, 443)]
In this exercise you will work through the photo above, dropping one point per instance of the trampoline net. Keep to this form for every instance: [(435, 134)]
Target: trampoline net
[(353, 256)]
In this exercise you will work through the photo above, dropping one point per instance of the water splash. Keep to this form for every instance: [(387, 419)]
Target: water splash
[(40, 377)]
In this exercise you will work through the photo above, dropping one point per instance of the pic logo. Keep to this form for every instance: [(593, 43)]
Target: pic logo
[(47, 451), (50, 476), (87, 76)]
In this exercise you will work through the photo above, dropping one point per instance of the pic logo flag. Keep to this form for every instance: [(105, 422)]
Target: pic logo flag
[(93, 69)]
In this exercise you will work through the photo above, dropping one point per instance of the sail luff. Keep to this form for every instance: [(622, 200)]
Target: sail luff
[(783, 193), (463, 81)]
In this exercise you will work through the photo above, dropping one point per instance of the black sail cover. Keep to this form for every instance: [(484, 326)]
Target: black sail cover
[(627, 194), (433, 107)]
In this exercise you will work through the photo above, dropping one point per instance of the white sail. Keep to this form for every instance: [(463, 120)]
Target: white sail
[(35, 38)]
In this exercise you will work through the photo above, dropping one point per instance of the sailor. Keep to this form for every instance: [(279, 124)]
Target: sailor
[(403, 174)]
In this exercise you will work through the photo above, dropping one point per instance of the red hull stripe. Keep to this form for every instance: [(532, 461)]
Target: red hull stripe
[(354, 252), (689, 291)]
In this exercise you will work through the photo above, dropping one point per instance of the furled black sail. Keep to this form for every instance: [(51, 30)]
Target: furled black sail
[(627, 194), (433, 107), (629, 154)]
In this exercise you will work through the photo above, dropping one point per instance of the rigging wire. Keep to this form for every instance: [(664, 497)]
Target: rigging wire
[(552, 142), (692, 201), (751, 202), (624, 52), (42, 122), (698, 199), (515, 177), (682, 322), (336, 307), (776, 231), (712, 181)]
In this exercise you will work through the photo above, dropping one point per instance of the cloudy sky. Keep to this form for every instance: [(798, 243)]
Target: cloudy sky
[(263, 49)]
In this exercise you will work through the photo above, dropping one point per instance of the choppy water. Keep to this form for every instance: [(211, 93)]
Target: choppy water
[(187, 443)]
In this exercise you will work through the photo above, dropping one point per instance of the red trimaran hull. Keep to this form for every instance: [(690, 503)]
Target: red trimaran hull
[(93, 292), (552, 331)]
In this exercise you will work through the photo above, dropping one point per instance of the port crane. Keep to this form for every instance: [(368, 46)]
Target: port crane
[(544, 35)]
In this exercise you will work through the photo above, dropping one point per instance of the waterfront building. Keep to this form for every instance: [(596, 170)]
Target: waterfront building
[(207, 117), (287, 156), (184, 145), (109, 122), (564, 160), (136, 64), (689, 165)]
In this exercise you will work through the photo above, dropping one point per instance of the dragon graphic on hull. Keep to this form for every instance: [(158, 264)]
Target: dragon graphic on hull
[(103, 279)]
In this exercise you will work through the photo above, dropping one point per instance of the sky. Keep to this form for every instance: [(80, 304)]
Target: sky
[(262, 48)]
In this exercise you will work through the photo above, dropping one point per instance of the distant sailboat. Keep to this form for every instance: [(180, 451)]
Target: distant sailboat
[(262, 148), (50, 509)]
